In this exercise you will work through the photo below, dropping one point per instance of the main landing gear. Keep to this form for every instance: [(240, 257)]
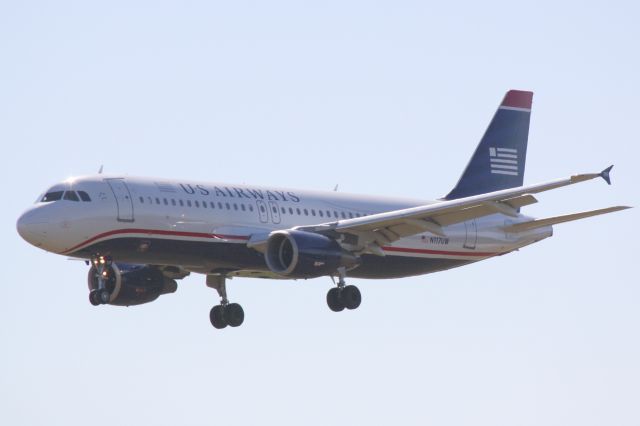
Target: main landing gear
[(224, 314), (102, 265), (343, 296)]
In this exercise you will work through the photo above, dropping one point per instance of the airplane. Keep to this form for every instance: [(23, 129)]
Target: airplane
[(140, 235)]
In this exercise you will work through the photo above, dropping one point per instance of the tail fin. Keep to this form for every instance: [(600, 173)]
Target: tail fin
[(498, 162)]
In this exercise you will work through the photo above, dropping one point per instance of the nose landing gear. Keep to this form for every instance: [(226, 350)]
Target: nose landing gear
[(102, 265), (343, 296), (224, 314)]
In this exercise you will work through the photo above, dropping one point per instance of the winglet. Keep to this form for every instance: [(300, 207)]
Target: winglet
[(605, 174)]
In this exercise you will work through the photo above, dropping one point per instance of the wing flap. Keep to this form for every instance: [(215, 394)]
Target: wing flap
[(521, 201), (539, 223), (453, 217)]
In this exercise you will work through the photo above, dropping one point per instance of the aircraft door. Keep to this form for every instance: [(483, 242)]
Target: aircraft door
[(262, 211), (275, 212), (471, 234), (124, 202)]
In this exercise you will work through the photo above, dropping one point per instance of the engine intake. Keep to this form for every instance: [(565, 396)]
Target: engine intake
[(133, 284), (302, 254)]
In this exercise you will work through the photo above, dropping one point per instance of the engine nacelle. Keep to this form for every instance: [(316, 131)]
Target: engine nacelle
[(133, 284), (301, 254)]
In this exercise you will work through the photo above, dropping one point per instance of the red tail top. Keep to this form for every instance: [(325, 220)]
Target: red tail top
[(517, 99)]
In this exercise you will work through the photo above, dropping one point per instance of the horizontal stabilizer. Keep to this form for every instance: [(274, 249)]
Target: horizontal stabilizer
[(538, 223)]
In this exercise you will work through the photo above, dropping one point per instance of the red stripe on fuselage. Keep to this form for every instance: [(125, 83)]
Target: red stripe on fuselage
[(245, 238), (158, 232)]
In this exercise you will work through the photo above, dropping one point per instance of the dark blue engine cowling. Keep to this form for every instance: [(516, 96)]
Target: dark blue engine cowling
[(133, 284), (301, 254)]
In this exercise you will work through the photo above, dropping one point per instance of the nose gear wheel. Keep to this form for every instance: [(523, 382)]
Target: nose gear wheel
[(102, 265)]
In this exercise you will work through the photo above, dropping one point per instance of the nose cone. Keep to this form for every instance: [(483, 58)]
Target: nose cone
[(32, 229)]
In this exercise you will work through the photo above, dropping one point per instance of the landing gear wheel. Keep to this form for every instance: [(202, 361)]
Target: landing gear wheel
[(334, 300), (234, 314), (93, 298), (104, 296), (351, 297), (224, 314), (217, 317)]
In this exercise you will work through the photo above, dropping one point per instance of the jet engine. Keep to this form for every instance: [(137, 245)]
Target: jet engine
[(132, 284), (301, 254)]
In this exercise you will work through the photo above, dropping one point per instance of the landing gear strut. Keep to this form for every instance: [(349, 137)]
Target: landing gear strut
[(343, 296), (102, 265), (224, 314)]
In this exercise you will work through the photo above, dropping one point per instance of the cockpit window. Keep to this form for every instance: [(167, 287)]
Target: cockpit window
[(84, 196), (71, 196), (52, 196)]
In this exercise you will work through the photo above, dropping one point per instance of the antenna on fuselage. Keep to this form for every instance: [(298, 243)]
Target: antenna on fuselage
[(335, 188), (100, 169)]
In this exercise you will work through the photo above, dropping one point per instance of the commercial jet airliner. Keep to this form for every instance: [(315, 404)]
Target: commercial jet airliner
[(140, 235)]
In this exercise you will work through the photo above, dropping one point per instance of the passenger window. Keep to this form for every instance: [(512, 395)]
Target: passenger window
[(335, 213), (71, 196), (343, 215), (166, 203), (212, 204), (320, 213), (84, 196), (298, 211), (157, 201), (250, 207), (220, 205), (350, 215), (52, 196), (197, 203), (262, 209), (188, 203), (284, 211), (306, 212), (313, 212), (142, 200), (228, 206), (235, 206), (173, 201), (243, 207), (274, 209), (290, 210), (181, 203), (204, 204)]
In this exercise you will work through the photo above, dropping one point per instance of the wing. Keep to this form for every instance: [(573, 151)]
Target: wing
[(381, 229)]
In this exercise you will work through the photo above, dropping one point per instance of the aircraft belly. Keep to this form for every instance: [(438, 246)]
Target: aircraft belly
[(218, 256), (376, 267), (200, 255)]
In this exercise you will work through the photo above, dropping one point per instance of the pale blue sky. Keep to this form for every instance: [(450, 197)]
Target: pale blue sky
[(381, 97)]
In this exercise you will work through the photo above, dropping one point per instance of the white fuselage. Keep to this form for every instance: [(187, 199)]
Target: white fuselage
[(156, 221)]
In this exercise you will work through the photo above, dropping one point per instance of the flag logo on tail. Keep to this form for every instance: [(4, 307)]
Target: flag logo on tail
[(504, 161)]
